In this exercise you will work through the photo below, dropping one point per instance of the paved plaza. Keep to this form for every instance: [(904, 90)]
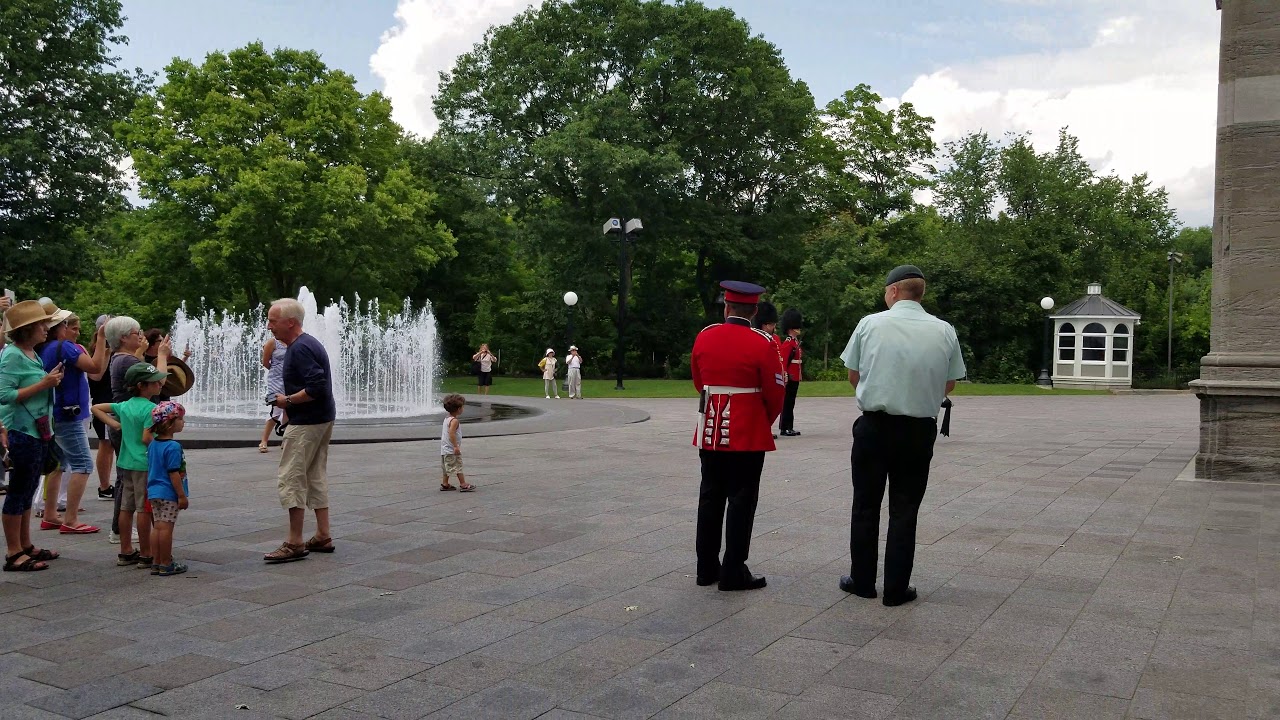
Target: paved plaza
[(1065, 571)]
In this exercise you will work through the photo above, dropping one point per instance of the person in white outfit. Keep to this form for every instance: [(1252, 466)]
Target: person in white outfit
[(574, 363), (548, 366)]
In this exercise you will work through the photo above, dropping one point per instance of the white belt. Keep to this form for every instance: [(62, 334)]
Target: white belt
[(795, 362), (727, 390)]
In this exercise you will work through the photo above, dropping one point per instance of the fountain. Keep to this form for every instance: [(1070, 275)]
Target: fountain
[(381, 368)]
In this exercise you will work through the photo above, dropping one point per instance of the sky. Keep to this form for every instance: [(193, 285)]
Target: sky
[(1136, 81)]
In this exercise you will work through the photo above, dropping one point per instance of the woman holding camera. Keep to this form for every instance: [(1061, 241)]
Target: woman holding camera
[(70, 413), (484, 373), (26, 408)]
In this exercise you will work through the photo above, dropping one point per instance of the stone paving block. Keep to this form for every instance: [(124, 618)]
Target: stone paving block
[(1193, 668), (372, 673), (1153, 704), (887, 667), (179, 671), (718, 700), (470, 673), (275, 672), (90, 643), (227, 629), (405, 700), (829, 702), (95, 697), (275, 594), (1045, 703), (508, 700), (81, 669), (398, 580)]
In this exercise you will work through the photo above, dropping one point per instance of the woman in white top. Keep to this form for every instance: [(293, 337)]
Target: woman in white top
[(548, 366), (574, 363)]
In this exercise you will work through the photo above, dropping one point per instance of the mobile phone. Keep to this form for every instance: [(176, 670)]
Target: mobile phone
[(13, 297)]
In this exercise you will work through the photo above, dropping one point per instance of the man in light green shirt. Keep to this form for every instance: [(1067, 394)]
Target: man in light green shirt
[(902, 362)]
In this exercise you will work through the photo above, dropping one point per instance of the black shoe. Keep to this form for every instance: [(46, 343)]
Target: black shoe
[(846, 584), (108, 493), (775, 436), (790, 433), (746, 582), (903, 599), (705, 580)]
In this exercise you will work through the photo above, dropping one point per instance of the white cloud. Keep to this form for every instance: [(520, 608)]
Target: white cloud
[(1142, 97), (429, 35)]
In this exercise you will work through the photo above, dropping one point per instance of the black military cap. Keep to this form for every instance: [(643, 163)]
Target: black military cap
[(765, 313), (903, 272)]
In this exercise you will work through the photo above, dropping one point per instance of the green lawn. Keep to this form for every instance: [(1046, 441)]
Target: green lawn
[(650, 388)]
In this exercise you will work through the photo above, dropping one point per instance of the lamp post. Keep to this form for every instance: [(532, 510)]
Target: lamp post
[(570, 299), (1046, 379), (1174, 257), (624, 229)]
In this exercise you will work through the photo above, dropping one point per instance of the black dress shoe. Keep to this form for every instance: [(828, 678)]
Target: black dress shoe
[(705, 580), (745, 582), (903, 599), (846, 584), (791, 433)]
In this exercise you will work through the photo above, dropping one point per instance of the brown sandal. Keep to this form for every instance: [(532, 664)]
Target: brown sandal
[(315, 544), (286, 553)]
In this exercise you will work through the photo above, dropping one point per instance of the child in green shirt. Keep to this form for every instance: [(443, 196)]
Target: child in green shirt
[(131, 417)]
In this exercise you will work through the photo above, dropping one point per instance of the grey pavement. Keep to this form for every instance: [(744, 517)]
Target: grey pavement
[(1065, 571)]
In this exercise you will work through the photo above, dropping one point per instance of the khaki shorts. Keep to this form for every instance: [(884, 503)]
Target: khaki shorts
[(304, 458), (451, 465), (164, 511), (133, 490)]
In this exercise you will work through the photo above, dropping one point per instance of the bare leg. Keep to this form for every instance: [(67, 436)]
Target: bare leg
[(462, 481), (52, 484), (296, 517), (266, 431), (126, 532), (12, 533), (322, 523), (24, 531), (144, 533), (105, 461), (75, 493), (162, 532)]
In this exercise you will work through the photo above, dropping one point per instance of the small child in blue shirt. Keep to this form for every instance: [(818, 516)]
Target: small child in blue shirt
[(166, 483)]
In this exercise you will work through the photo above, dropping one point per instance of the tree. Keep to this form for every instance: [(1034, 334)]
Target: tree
[(876, 158), (60, 95), (272, 171), (965, 191), (576, 112)]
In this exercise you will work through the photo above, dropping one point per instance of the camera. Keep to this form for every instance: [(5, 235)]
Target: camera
[(70, 411), (270, 399)]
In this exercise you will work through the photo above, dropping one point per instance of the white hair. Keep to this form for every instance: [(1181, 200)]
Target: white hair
[(290, 309), (117, 327)]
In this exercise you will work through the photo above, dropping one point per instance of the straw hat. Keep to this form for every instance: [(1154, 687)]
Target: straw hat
[(23, 314), (180, 377)]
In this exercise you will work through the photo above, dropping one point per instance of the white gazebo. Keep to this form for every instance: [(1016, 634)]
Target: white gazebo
[(1093, 345)]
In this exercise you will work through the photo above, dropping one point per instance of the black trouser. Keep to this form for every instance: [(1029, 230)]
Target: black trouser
[(896, 448), (788, 419), (733, 478)]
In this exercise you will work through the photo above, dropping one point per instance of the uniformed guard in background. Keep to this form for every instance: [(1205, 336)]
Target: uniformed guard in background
[(903, 362), (766, 319), (739, 379), (792, 361)]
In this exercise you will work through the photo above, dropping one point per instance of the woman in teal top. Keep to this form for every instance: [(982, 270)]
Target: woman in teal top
[(26, 405)]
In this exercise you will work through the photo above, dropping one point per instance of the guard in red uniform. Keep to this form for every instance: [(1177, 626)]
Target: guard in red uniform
[(737, 373), (793, 361), (766, 319)]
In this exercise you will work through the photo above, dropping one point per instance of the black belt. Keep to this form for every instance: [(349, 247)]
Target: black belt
[(946, 417)]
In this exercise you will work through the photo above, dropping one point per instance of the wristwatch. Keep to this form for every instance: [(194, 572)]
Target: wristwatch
[(288, 401)]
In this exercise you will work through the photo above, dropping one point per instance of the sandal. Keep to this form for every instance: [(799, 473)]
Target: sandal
[(28, 565), (79, 529), (145, 562), (50, 525), (173, 568), (286, 553), (444, 487), (262, 447), (315, 544), (42, 554), (467, 488), (123, 560)]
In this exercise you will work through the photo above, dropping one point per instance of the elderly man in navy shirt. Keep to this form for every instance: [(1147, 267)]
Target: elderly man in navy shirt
[(308, 404)]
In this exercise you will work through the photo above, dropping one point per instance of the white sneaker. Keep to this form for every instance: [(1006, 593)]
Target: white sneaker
[(557, 397), (548, 397), (113, 539)]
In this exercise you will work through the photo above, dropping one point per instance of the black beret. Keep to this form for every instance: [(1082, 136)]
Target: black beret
[(765, 313), (903, 272)]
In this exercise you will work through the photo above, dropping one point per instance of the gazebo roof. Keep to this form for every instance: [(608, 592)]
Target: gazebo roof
[(1095, 305)]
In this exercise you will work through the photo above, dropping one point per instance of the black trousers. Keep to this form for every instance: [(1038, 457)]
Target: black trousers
[(788, 419), (732, 478), (896, 449)]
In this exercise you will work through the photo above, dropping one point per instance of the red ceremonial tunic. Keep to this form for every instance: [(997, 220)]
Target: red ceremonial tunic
[(733, 355), (792, 358)]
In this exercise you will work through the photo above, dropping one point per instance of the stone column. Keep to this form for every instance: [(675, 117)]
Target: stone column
[(1239, 385)]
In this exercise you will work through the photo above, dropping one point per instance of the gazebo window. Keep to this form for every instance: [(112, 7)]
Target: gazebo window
[(1094, 348), (1120, 344), (1067, 342)]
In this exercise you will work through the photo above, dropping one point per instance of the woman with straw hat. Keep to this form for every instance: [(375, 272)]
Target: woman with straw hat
[(26, 407)]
